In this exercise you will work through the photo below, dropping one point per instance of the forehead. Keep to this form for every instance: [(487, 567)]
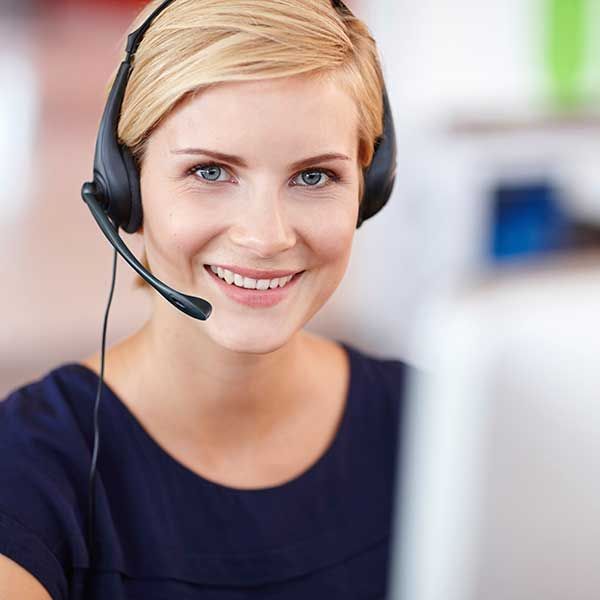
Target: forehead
[(277, 119)]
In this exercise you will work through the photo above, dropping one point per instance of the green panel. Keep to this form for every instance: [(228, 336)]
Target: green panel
[(565, 50)]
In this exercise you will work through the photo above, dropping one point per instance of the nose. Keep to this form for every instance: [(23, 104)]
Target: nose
[(263, 225)]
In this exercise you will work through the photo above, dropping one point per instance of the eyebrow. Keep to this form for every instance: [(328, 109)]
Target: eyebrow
[(240, 162)]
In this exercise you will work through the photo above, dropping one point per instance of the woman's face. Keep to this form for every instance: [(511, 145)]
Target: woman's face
[(254, 176)]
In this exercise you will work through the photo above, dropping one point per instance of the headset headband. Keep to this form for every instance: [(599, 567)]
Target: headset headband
[(115, 186)]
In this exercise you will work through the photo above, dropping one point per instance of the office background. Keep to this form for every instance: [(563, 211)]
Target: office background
[(497, 114)]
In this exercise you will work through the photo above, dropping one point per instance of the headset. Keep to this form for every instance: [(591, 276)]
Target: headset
[(114, 199)]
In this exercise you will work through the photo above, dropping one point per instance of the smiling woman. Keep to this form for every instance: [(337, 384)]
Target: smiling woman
[(250, 41), (256, 211), (246, 455)]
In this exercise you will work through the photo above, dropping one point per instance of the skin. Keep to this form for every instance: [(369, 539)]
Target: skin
[(248, 391)]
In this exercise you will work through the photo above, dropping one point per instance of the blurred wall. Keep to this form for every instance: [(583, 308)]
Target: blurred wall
[(57, 264), (472, 104)]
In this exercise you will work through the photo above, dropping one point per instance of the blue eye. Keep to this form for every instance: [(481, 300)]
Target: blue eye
[(310, 178), (211, 173), (314, 178)]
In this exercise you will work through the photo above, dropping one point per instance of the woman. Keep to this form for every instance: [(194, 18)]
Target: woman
[(242, 456)]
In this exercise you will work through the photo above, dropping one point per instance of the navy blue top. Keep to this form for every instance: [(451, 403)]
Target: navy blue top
[(163, 532)]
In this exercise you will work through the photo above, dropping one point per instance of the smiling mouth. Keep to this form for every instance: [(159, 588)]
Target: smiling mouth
[(248, 284)]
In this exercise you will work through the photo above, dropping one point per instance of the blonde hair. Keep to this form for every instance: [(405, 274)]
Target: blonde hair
[(197, 43)]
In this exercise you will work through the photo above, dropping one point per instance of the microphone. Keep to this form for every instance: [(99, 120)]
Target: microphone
[(198, 308)]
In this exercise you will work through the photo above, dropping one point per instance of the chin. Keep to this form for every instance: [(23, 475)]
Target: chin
[(252, 341)]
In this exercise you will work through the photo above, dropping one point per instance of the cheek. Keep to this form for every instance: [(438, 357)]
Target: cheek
[(331, 232), (333, 245), (173, 227), (330, 247)]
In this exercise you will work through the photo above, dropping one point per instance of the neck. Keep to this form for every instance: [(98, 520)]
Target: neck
[(199, 390)]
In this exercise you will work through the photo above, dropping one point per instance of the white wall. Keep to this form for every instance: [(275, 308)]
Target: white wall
[(448, 63)]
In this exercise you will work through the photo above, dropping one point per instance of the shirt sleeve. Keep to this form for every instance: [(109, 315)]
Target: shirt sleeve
[(28, 550), (41, 486)]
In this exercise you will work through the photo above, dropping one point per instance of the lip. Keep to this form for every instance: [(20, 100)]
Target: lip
[(256, 274), (255, 298)]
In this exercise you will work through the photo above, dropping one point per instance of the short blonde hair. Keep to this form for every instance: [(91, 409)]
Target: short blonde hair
[(197, 43)]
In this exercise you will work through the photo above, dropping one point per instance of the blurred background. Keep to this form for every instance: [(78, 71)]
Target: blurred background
[(498, 123)]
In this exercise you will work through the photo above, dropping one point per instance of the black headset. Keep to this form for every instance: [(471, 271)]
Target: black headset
[(114, 198)]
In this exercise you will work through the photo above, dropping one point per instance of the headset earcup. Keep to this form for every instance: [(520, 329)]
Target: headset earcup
[(133, 175), (381, 174)]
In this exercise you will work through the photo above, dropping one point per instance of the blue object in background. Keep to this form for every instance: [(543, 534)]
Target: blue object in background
[(527, 220)]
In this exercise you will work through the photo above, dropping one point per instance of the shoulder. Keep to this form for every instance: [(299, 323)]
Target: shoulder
[(380, 375), (378, 399), (46, 414), (43, 469)]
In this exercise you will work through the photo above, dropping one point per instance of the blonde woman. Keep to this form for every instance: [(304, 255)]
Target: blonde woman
[(241, 455)]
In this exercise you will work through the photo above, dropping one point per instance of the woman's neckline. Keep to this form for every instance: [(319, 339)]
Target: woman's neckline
[(309, 473)]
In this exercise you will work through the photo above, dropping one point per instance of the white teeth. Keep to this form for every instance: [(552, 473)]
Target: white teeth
[(248, 282), (262, 284)]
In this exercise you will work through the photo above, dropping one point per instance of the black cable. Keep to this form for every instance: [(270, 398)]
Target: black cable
[(91, 495)]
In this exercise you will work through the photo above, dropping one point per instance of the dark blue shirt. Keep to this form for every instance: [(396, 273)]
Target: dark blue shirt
[(165, 533)]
